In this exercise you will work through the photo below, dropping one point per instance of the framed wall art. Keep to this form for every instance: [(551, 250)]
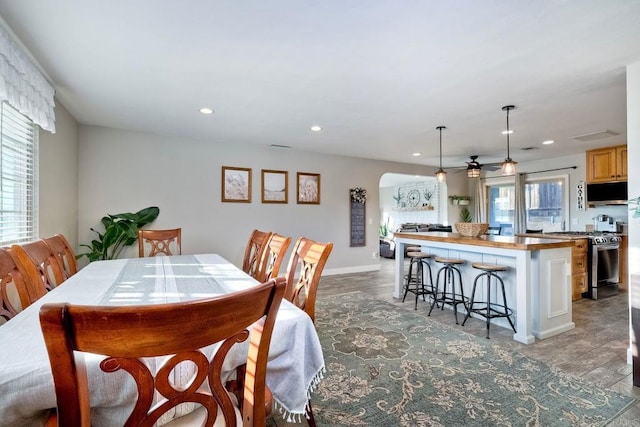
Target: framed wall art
[(308, 188), (274, 186), (236, 184)]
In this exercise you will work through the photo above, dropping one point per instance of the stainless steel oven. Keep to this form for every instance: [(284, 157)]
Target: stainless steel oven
[(605, 263)]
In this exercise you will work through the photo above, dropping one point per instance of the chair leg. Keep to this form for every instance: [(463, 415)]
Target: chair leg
[(311, 421)]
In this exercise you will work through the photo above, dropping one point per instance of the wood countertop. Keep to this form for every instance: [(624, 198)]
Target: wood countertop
[(505, 242)]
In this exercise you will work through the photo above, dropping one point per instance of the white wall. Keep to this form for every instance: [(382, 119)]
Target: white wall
[(123, 171), (58, 178), (633, 153)]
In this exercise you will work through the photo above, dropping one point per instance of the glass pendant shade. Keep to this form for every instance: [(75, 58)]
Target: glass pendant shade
[(441, 176), (508, 166)]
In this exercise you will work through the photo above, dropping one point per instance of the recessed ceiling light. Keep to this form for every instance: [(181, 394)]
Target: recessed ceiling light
[(316, 128), (504, 132), (206, 110), (548, 142), (416, 154)]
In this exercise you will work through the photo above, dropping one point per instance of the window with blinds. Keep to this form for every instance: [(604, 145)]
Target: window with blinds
[(18, 177)]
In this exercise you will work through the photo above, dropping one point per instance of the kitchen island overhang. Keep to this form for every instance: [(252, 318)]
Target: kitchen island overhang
[(538, 281)]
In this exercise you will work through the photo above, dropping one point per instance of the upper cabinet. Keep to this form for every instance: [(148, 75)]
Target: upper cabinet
[(607, 164)]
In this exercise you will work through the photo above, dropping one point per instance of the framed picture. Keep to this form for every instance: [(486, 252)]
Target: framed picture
[(274, 186), (236, 184), (308, 188)]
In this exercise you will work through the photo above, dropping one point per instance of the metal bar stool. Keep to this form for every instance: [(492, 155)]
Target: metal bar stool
[(487, 309), (449, 295), (414, 280)]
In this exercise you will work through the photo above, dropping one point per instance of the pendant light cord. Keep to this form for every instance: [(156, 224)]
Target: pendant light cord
[(508, 155)]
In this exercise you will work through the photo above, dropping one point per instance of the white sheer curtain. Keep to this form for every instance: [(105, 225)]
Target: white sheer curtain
[(23, 86), (480, 209), (520, 208)]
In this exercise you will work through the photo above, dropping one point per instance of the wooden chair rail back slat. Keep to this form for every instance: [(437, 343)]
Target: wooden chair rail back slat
[(60, 246), (14, 295), (272, 257), (126, 334), (306, 262), (160, 242), (50, 272), (254, 251)]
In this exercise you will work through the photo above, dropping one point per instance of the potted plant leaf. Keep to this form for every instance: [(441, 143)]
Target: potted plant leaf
[(120, 230)]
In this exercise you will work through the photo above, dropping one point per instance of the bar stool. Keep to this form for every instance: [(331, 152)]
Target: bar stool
[(415, 276), (487, 309), (449, 294)]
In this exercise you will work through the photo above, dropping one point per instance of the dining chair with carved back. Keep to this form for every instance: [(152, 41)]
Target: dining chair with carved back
[(14, 291), (272, 257), (60, 246), (127, 334), (160, 242), (303, 273), (254, 250), (39, 254)]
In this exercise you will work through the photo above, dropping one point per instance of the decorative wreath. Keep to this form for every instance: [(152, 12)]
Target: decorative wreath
[(358, 195)]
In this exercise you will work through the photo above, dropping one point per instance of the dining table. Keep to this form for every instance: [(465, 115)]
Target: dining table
[(295, 364)]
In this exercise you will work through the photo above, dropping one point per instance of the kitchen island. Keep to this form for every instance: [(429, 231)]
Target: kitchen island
[(538, 282)]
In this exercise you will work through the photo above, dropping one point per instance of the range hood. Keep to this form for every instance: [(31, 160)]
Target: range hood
[(610, 193)]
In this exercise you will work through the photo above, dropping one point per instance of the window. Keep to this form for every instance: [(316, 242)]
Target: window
[(544, 199), (18, 177)]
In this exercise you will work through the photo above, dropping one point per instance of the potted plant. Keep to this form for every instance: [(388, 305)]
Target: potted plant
[(120, 230), (464, 200)]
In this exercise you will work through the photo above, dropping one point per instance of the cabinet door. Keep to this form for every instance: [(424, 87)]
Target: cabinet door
[(621, 166), (601, 165)]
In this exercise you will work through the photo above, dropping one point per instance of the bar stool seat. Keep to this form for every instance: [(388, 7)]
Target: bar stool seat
[(448, 293), (488, 309), (414, 280)]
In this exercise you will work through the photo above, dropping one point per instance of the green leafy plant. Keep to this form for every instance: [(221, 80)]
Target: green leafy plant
[(120, 230), (636, 210), (384, 229), (465, 215)]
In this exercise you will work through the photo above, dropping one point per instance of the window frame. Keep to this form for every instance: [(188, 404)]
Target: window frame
[(510, 181), (20, 134)]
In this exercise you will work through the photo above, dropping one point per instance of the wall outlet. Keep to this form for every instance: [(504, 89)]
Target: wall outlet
[(374, 255)]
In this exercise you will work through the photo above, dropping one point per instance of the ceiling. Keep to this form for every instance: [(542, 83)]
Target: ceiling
[(378, 77)]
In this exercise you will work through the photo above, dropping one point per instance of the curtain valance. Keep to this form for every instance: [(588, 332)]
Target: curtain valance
[(23, 86)]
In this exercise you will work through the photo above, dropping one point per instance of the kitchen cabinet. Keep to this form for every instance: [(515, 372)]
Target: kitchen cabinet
[(607, 164), (579, 275)]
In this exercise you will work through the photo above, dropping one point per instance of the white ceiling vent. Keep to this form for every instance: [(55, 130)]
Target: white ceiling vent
[(595, 135)]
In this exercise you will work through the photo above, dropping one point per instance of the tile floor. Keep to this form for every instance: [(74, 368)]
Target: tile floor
[(596, 349)]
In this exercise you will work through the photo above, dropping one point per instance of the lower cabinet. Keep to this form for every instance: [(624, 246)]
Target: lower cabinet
[(579, 268)]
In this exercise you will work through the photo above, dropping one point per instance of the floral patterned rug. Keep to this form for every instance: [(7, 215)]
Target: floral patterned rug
[(387, 366)]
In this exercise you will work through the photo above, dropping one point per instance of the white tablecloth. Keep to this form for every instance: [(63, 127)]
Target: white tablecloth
[(26, 385)]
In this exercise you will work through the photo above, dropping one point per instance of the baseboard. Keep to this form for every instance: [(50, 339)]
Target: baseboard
[(351, 270)]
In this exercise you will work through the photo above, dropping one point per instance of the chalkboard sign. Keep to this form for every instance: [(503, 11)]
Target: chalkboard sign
[(358, 225)]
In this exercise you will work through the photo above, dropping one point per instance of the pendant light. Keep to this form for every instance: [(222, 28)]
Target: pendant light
[(441, 175), (508, 166)]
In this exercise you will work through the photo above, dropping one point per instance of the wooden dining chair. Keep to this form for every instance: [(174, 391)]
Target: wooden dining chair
[(14, 294), (303, 273), (160, 242), (254, 250), (60, 246), (272, 257), (50, 270), (126, 334)]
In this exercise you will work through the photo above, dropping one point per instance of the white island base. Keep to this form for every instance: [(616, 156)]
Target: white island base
[(538, 282)]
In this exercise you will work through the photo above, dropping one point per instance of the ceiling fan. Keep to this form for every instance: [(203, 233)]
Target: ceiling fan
[(474, 167)]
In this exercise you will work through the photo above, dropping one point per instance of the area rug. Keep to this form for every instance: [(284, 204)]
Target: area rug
[(387, 366)]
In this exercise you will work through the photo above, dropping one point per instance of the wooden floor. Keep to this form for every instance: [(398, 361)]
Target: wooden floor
[(596, 349)]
